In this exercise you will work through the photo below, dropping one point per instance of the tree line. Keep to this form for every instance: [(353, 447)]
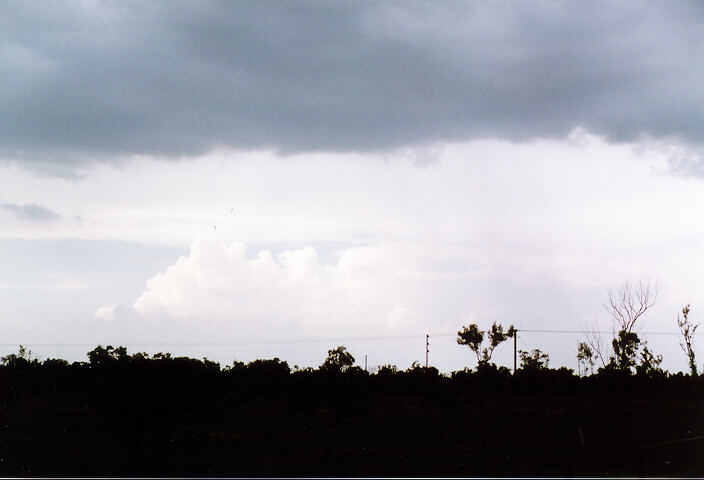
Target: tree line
[(628, 352), (122, 413)]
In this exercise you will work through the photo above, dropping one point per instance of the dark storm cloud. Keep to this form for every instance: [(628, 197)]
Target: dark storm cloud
[(31, 212), (96, 80)]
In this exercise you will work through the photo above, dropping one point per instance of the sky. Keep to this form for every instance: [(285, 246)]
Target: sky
[(273, 179)]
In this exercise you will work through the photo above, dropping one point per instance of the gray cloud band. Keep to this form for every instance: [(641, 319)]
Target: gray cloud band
[(182, 78), (31, 212)]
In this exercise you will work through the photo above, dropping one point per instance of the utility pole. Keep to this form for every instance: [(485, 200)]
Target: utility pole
[(427, 349), (515, 339), (365, 362)]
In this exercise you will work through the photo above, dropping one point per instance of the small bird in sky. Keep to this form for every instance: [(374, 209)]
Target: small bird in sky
[(232, 209), (214, 227)]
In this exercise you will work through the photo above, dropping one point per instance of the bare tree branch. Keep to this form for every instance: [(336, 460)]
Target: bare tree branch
[(630, 302), (596, 343)]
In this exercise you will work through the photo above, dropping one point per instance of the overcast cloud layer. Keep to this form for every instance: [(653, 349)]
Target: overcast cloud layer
[(94, 80)]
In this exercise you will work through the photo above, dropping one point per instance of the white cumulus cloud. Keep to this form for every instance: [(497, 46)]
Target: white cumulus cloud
[(292, 292), (106, 313)]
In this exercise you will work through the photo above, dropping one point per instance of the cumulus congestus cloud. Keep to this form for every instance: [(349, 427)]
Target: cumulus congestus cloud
[(94, 81), (366, 292)]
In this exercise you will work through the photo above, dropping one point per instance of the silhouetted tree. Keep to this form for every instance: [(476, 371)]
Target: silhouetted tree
[(55, 363), (534, 360), (625, 347), (649, 363), (338, 360), (585, 358), (629, 303), (386, 370), (105, 355), (626, 306), (265, 368), (595, 342), (473, 338), (417, 368), (687, 329), (23, 358)]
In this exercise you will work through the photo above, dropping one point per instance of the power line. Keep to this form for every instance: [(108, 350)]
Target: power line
[(299, 341), (609, 332), (573, 332), (220, 344)]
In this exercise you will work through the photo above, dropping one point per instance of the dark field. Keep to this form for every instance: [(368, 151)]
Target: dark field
[(134, 415)]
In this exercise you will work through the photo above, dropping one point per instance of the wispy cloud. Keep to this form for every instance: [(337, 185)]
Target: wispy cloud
[(31, 211)]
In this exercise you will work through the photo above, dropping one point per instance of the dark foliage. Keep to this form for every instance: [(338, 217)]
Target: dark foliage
[(121, 414), (473, 338), (534, 360)]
